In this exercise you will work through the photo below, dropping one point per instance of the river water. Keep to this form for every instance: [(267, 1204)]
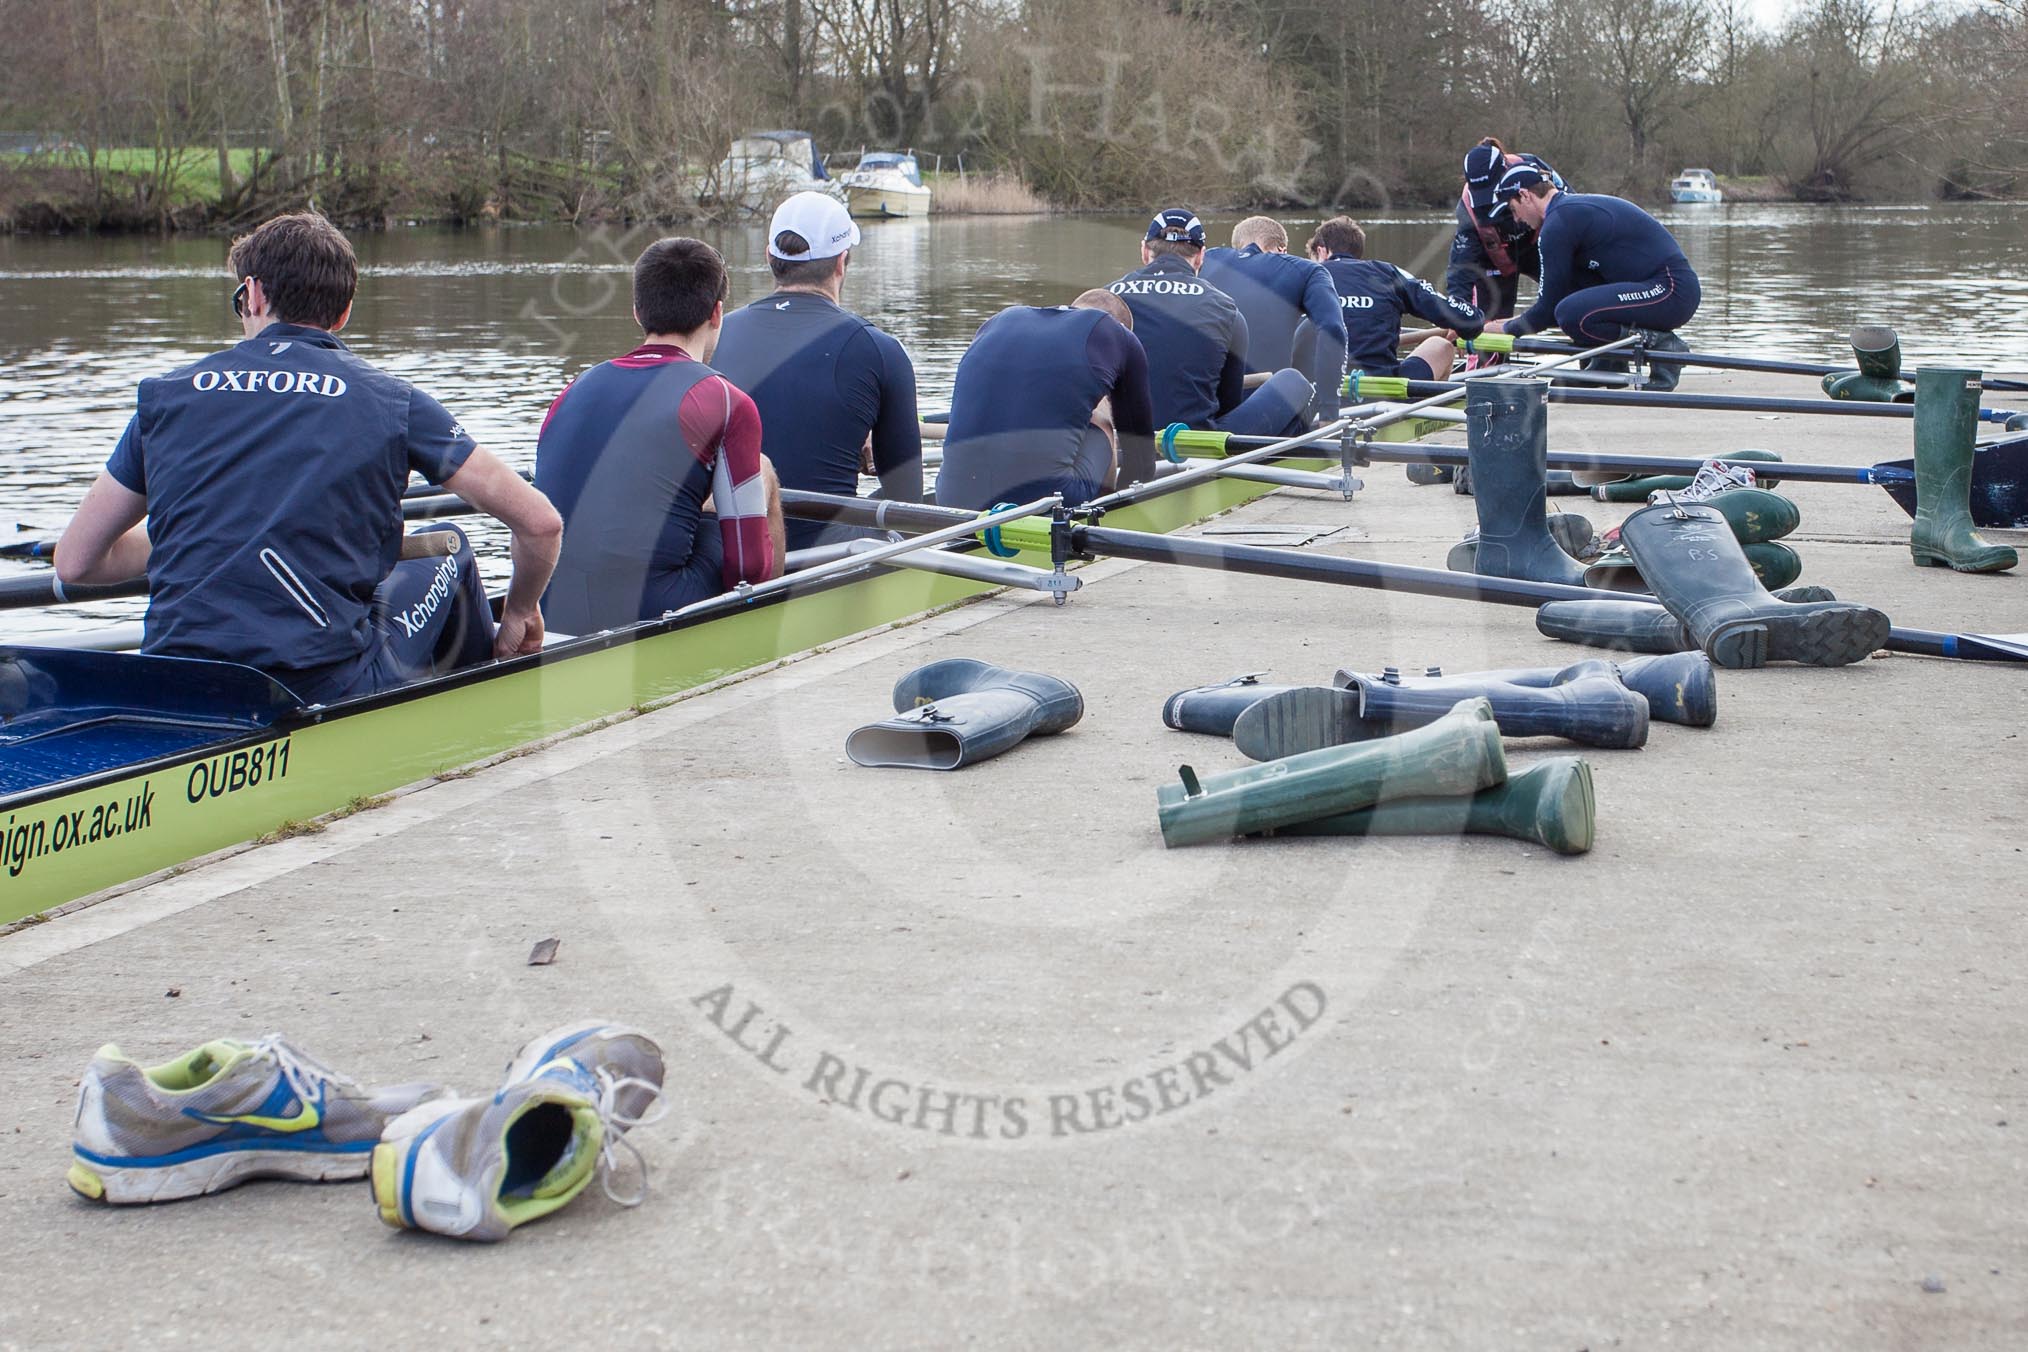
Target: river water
[(495, 321)]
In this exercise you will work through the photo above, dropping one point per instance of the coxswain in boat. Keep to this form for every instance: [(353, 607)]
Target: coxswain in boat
[(1375, 296), (1049, 400), (638, 451), (1287, 302), (259, 489), (1609, 269), (1491, 252), (1196, 340), (833, 390)]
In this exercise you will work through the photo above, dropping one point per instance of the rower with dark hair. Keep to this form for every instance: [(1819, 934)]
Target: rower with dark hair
[(637, 452), (1196, 340), (836, 395), (1049, 400), (1491, 251), (270, 477), (1609, 270), (1375, 295), (1282, 296)]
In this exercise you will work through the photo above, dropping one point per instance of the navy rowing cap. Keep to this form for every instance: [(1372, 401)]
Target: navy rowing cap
[(1482, 171), (1518, 180), (1177, 225)]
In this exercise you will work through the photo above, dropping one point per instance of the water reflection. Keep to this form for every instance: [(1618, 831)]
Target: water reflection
[(495, 321)]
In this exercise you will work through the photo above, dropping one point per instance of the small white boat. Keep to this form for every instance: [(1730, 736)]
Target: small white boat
[(763, 167), (1695, 185), (886, 183)]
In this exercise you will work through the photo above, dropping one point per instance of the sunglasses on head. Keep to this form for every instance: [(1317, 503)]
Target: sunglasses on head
[(239, 299)]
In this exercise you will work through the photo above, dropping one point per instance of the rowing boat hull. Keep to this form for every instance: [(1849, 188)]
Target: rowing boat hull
[(71, 840)]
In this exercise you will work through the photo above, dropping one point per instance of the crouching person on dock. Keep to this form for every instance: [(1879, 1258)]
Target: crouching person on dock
[(638, 452), (1049, 400), (259, 489)]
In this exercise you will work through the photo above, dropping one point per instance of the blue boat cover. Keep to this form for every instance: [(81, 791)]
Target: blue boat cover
[(65, 714)]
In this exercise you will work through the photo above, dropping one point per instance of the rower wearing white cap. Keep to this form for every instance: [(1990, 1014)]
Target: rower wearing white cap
[(832, 389)]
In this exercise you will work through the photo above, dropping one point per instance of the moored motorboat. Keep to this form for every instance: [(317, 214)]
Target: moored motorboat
[(1694, 186), (886, 183)]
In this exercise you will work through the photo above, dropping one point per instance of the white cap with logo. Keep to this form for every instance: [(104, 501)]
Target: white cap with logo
[(820, 220)]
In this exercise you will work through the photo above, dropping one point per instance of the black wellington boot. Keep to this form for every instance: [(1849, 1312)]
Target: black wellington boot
[(1214, 708), (1593, 708), (1573, 532), (1688, 555), (1662, 375), (1678, 686), (1507, 430), (1636, 626), (959, 711)]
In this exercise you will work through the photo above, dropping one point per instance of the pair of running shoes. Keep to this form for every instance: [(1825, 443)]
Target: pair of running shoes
[(469, 1167)]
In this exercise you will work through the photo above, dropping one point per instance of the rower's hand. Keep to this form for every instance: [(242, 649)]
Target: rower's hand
[(519, 632), (1495, 326)]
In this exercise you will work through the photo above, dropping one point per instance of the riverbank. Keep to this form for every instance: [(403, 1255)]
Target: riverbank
[(135, 196), (1742, 1076)]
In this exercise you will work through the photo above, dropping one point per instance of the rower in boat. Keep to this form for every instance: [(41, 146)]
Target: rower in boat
[(1282, 296), (1491, 253), (1609, 269), (1049, 400), (270, 478), (830, 386), (637, 451), (1375, 295), (1196, 340)]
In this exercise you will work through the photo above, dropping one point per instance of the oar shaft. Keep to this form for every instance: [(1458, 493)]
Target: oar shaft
[(1715, 403), (42, 589), (1719, 361), (1433, 453)]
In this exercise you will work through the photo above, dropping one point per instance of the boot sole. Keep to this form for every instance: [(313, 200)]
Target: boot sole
[(1833, 638), (1300, 720), (2000, 564)]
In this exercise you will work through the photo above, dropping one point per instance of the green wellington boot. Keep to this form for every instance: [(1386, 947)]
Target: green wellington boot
[(1550, 803), (1774, 563), (1617, 485), (1878, 379), (1687, 554), (1636, 626), (1458, 754), (1946, 421)]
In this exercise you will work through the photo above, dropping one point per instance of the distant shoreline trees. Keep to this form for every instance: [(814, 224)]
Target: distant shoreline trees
[(212, 113)]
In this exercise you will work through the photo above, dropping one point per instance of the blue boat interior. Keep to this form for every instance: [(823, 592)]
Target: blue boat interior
[(65, 714), (893, 159)]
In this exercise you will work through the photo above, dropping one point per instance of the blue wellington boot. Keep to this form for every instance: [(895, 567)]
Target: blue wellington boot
[(1507, 430), (959, 711)]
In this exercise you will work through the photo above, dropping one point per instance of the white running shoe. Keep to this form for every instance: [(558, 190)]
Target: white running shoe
[(477, 1168)]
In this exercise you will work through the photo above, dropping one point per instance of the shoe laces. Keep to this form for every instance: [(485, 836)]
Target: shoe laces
[(616, 1124), (305, 1073), (1713, 477)]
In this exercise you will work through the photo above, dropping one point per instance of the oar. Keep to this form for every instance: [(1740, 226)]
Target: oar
[(1395, 387), (1999, 469), (43, 589), (1506, 342), (1079, 538)]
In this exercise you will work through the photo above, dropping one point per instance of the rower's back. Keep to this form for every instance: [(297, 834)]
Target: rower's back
[(273, 473), (825, 381), (1191, 331), (1021, 408)]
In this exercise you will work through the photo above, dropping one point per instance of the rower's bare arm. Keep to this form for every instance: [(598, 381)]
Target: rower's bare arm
[(486, 482), (106, 541)]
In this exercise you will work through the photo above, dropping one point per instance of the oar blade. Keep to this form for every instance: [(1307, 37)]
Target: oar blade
[(1999, 484)]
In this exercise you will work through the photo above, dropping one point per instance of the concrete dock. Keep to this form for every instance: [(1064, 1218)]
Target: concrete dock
[(972, 1060)]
